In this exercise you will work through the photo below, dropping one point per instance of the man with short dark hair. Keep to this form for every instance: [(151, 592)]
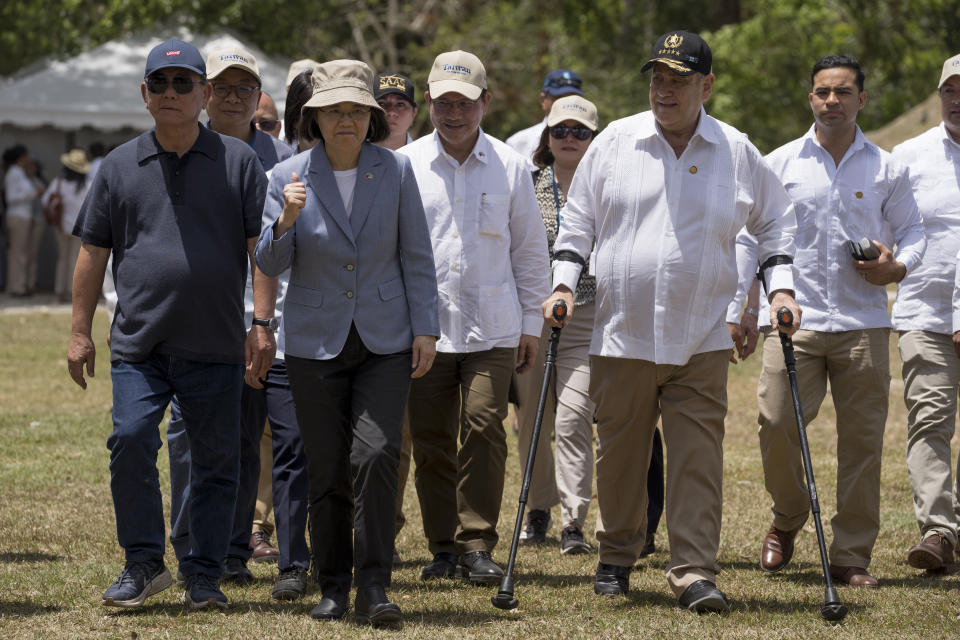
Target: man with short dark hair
[(490, 250), (844, 188), (557, 84), (663, 194), (179, 208), (922, 316)]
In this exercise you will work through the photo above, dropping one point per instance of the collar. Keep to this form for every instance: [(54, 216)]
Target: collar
[(482, 150), (207, 143), (707, 128), (810, 142), (947, 138)]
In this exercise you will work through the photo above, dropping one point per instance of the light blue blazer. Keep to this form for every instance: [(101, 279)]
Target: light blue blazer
[(374, 269)]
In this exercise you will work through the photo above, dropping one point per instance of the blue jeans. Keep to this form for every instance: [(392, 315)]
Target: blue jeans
[(209, 396), (273, 402)]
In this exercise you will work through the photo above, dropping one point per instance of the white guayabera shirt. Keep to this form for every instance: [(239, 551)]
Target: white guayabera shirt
[(665, 229), (867, 195), (489, 244), (924, 297)]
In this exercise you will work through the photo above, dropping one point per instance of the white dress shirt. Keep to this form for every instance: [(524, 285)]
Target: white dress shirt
[(489, 243), (526, 141), (665, 229), (956, 296), (924, 296), (867, 195), (748, 262), (21, 192), (72, 195)]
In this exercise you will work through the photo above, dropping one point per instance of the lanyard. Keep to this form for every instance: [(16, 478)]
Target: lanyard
[(556, 195)]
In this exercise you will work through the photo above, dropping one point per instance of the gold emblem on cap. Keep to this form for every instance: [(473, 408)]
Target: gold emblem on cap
[(392, 82), (673, 41), (693, 168), (859, 194)]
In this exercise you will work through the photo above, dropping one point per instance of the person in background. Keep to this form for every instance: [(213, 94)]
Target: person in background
[(557, 84), (571, 125), (69, 188), (922, 317), (266, 117), (22, 189), (395, 95)]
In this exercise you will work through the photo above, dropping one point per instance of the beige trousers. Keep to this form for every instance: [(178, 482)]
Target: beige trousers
[(857, 364), (568, 479), (691, 399), (931, 378), (261, 513), (24, 238), (462, 399), (68, 248)]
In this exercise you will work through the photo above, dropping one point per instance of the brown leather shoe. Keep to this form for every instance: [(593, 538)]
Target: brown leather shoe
[(931, 554), (777, 549), (263, 551), (852, 576)]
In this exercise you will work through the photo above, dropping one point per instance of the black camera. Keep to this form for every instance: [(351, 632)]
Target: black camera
[(864, 250)]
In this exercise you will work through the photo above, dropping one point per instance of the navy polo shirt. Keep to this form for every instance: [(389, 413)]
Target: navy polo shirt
[(178, 228), (270, 150)]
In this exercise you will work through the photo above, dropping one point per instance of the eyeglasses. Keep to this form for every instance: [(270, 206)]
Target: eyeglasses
[(181, 84), (444, 107), (561, 131), (243, 91), (357, 113), (267, 125)]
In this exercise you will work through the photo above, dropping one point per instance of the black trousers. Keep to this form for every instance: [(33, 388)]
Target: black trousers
[(350, 412), (655, 485)]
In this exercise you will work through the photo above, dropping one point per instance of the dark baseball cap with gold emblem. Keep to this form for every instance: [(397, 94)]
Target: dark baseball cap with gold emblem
[(387, 83), (683, 52)]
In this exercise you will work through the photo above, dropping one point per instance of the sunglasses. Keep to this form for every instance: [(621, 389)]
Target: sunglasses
[(267, 125), (181, 84), (561, 131)]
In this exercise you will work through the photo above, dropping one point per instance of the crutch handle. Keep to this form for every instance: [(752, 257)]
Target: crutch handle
[(785, 317), (559, 310)]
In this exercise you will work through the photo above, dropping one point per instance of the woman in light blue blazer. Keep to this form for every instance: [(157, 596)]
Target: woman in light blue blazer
[(360, 320)]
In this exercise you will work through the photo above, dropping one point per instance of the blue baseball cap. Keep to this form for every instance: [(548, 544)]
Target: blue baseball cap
[(175, 53), (562, 82)]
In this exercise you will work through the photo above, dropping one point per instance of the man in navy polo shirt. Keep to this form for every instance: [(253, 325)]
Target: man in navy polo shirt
[(179, 209)]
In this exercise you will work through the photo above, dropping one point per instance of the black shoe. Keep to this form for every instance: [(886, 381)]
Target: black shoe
[(538, 523), (479, 568), (443, 565), (704, 597), (291, 585), (373, 607), (137, 582), (235, 571), (181, 579), (330, 607), (649, 547), (203, 591), (611, 580), (572, 542)]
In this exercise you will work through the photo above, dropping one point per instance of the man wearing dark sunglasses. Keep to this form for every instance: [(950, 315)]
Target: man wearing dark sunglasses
[(266, 117), (179, 209), (557, 84)]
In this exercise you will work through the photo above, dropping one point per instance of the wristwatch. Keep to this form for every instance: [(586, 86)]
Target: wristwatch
[(752, 311), (269, 323)]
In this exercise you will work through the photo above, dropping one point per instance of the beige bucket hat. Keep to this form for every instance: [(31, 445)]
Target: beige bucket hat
[(342, 81)]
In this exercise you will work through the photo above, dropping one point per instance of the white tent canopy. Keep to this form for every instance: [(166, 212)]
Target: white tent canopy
[(100, 88)]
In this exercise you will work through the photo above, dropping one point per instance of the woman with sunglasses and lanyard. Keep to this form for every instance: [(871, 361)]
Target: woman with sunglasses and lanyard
[(571, 125), (359, 321)]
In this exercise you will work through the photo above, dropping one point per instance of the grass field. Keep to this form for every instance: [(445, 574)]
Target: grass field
[(58, 548)]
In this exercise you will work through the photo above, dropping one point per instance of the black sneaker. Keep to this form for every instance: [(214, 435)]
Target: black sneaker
[(572, 542), (137, 582), (291, 585), (235, 571), (202, 591), (538, 523)]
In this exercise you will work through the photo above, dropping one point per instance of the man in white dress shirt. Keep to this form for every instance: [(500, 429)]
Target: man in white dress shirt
[(558, 84), (664, 193), (843, 188), (490, 249), (922, 316)]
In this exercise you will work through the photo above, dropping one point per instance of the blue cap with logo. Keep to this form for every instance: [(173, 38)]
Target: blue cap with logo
[(562, 82), (175, 53)]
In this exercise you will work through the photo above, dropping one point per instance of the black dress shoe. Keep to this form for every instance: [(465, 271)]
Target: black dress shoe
[(611, 580), (235, 571), (331, 607), (704, 597), (479, 568), (443, 565), (373, 607)]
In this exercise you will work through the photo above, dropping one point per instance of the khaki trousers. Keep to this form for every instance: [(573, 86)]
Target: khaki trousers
[(857, 364), (261, 513), (24, 238), (691, 399), (68, 248), (569, 415), (931, 378), (464, 395)]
